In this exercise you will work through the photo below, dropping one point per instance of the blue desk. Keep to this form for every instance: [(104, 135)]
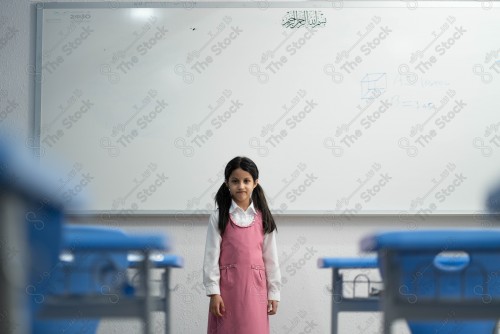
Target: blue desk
[(340, 303), (90, 245), (457, 295)]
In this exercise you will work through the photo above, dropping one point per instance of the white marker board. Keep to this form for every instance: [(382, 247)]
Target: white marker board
[(346, 107)]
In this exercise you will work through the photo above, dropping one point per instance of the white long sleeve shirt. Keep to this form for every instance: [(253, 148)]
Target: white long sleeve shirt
[(211, 272)]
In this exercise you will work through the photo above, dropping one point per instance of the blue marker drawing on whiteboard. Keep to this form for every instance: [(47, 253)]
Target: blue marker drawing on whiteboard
[(372, 82), (419, 127)]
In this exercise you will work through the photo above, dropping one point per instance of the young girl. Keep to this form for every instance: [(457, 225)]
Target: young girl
[(241, 270)]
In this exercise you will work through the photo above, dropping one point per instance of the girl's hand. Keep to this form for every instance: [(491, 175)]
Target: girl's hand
[(217, 305), (272, 307)]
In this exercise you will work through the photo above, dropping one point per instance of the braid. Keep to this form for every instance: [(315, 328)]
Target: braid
[(260, 202), (223, 201)]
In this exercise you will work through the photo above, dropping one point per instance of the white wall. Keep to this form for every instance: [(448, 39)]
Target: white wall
[(305, 294)]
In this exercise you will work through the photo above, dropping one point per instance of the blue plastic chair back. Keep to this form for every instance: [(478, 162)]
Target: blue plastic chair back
[(431, 276)]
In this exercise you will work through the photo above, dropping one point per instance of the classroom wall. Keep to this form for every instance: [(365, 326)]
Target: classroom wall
[(305, 306)]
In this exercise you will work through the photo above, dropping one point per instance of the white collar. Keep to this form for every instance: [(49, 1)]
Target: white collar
[(234, 207)]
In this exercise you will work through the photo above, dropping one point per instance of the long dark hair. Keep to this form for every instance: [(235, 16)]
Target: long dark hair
[(223, 197)]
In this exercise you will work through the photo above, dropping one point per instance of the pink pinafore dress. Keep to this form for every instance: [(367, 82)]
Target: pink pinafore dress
[(243, 283)]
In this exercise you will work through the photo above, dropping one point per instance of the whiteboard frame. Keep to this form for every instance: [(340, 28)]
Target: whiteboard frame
[(41, 6)]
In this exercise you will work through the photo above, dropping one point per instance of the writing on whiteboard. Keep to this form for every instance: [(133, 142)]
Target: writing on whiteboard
[(301, 18)]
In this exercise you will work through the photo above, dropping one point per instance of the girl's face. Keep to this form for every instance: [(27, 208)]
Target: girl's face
[(241, 186)]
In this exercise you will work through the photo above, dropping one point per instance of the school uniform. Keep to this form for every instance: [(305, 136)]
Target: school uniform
[(242, 266)]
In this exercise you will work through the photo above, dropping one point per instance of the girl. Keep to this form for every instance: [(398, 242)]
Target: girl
[(241, 271)]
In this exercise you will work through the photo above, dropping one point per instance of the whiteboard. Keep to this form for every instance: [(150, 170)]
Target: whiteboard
[(347, 107)]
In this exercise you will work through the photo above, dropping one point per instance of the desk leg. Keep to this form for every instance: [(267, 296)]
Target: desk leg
[(389, 297), (166, 281), (387, 326), (336, 298), (145, 266)]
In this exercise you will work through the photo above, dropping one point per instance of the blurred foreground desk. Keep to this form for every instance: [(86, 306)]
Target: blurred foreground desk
[(58, 278), (31, 216), (448, 297), (93, 282)]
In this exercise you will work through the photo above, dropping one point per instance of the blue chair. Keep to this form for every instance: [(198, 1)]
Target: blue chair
[(341, 303), (461, 294)]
